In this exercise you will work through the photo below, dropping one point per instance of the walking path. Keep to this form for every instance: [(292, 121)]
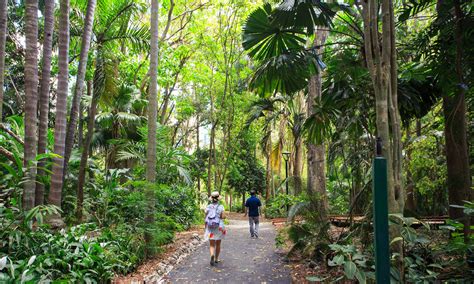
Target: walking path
[(243, 260)]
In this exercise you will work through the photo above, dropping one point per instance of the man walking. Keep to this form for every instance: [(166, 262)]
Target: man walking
[(252, 207)]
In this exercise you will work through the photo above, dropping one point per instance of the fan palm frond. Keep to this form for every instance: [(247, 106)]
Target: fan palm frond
[(286, 73), (304, 14), (264, 39), (296, 210), (318, 126)]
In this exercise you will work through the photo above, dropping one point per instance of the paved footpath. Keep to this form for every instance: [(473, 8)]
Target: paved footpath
[(243, 260)]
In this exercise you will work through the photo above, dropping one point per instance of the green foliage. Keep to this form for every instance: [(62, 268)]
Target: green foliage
[(277, 206), (356, 265), (111, 243), (81, 253), (245, 171), (310, 239), (421, 256), (428, 167)]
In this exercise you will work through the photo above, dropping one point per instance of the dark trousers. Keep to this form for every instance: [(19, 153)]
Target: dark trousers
[(253, 223)]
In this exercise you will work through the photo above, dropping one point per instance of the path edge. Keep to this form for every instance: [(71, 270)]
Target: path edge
[(170, 263)]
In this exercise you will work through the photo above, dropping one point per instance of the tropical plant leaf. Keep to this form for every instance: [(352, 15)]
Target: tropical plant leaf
[(350, 269), (305, 14), (296, 209), (263, 39), (286, 73)]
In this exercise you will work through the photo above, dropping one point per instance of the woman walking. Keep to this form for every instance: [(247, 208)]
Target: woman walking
[(215, 230)]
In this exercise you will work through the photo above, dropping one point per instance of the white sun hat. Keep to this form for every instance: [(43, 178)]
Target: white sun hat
[(215, 195)]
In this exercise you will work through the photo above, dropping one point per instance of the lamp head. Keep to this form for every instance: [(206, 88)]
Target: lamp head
[(286, 155)]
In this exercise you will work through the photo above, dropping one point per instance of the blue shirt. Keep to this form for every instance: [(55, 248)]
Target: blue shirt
[(253, 203)]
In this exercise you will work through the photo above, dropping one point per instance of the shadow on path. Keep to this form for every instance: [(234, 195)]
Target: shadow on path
[(243, 260)]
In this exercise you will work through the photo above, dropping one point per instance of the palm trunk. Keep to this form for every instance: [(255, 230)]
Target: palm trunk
[(81, 74), (97, 89), (44, 94), (281, 139), (317, 153), (297, 168), (3, 38), (152, 124), (31, 94), (85, 156), (80, 131), (268, 166), (61, 106)]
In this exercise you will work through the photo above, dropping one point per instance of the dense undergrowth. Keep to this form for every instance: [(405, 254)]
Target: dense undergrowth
[(429, 254), (109, 242)]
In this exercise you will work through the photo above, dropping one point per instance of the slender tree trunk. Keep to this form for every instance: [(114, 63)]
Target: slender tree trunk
[(80, 130), (410, 204), (398, 192), (281, 140), (198, 149), (457, 151), (81, 74), (317, 153), (97, 89), (297, 168), (85, 157), (152, 125), (268, 167), (3, 38), (211, 160), (381, 62), (44, 94), (418, 127), (31, 94), (61, 106), (164, 109)]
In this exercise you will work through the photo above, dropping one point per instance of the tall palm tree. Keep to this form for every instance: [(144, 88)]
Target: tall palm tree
[(114, 24), (61, 106), (44, 93), (81, 74), (276, 38), (118, 120), (3, 37), (152, 116), (31, 94), (296, 123)]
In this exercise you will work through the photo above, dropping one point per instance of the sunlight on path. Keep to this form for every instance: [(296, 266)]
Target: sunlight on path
[(244, 260)]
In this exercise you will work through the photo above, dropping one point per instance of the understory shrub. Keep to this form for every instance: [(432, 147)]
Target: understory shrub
[(277, 206), (110, 242), (428, 256), (82, 253)]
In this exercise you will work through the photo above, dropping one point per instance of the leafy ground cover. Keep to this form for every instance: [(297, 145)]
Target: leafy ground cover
[(430, 254)]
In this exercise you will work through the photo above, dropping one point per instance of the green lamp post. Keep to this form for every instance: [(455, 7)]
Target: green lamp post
[(380, 204)]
